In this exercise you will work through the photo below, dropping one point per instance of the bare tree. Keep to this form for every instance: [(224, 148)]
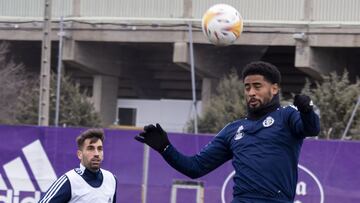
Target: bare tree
[(75, 107), (19, 96)]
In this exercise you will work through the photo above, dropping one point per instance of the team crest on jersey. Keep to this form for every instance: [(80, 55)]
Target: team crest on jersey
[(78, 171), (268, 121), (239, 134)]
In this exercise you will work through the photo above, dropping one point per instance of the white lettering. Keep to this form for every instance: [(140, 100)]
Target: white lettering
[(34, 199), (7, 198), (301, 188), (15, 197)]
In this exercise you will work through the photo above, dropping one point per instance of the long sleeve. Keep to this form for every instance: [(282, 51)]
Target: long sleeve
[(210, 157), (303, 124), (59, 191)]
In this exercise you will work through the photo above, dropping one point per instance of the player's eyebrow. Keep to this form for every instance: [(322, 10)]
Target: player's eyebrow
[(252, 83)]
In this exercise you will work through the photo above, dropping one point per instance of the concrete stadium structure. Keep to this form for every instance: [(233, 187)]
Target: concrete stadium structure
[(139, 49)]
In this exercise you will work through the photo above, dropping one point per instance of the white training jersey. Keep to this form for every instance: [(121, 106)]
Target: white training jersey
[(82, 192)]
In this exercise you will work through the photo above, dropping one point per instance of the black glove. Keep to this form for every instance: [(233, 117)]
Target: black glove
[(155, 137), (303, 103)]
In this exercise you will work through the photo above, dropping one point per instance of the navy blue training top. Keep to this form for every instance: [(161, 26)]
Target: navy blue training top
[(264, 153)]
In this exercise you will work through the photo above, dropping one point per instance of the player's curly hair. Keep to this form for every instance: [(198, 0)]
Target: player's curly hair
[(268, 70), (94, 134)]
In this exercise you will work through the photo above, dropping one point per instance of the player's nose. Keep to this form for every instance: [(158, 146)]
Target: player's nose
[(252, 92), (96, 152)]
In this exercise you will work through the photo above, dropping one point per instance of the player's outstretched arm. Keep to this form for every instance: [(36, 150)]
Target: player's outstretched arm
[(307, 123), (59, 192), (210, 157)]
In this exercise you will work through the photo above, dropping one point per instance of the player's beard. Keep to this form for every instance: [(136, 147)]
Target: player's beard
[(262, 103), (268, 105), (94, 164)]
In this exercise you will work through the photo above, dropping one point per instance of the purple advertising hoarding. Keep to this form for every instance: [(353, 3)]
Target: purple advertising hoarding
[(33, 157)]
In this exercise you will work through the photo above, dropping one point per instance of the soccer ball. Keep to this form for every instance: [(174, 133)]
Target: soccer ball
[(222, 24)]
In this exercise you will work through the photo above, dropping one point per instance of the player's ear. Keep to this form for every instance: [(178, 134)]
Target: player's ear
[(79, 154), (275, 88)]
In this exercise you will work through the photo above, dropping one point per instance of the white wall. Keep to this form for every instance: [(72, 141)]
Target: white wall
[(172, 115)]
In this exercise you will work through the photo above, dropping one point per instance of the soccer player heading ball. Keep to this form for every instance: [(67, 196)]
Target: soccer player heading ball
[(264, 147)]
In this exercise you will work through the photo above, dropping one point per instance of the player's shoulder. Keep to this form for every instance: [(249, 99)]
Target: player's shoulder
[(107, 172), (63, 177), (60, 186), (230, 127), (287, 111), (74, 171), (289, 108), (236, 123)]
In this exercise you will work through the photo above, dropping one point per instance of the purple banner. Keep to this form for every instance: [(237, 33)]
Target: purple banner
[(32, 157)]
